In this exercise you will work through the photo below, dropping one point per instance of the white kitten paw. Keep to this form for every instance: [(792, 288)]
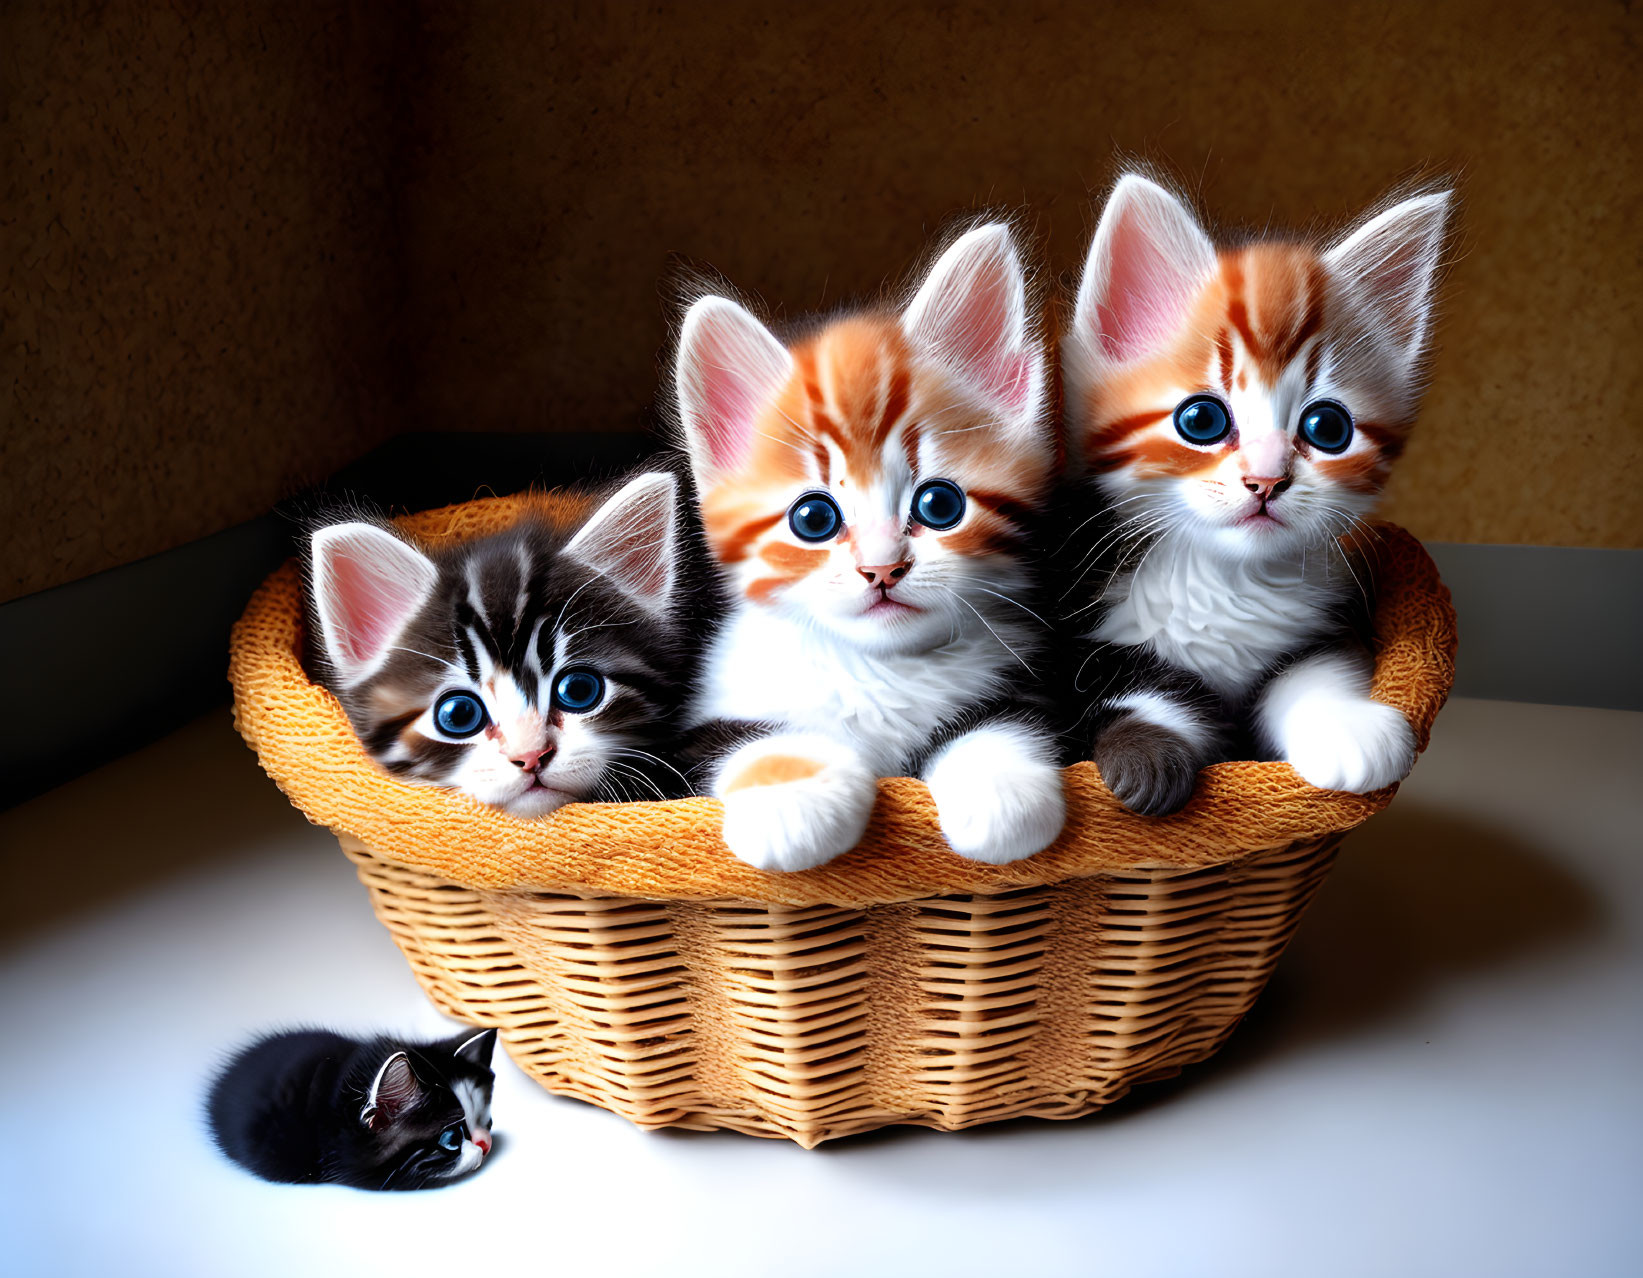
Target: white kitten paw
[(794, 802), (1357, 746), (998, 793)]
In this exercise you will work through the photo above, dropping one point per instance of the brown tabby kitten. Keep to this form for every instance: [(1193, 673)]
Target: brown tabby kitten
[(528, 669)]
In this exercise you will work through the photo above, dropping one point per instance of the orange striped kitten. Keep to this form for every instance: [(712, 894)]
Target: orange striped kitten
[(1237, 413), (867, 493)]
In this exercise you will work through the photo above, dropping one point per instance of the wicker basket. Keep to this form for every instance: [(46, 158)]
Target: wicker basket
[(628, 959)]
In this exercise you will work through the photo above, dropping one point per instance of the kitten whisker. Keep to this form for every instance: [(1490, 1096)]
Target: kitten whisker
[(572, 635), (438, 661), (988, 624), (559, 620), (1014, 602), (1101, 513), (607, 789), (1138, 529), (633, 774), (1346, 559), (647, 755)]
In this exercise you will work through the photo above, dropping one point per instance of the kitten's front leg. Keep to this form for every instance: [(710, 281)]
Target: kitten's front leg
[(998, 791), (794, 801), (1150, 747), (1154, 728), (1317, 715)]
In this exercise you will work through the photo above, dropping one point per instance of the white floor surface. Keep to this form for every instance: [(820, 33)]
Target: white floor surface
[(1446, 1076)]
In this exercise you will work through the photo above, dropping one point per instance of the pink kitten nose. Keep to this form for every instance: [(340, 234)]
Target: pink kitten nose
[(482, 1138), (1266, 488), (886, 575), (531, 760)]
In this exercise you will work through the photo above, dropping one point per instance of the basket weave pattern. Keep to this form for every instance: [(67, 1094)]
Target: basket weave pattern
[(813, 1022), (629, 960)]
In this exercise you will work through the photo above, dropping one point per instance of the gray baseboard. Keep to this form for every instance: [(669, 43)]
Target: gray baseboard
[(103, 665), (113, 661), (1555, 624), (106, 664)]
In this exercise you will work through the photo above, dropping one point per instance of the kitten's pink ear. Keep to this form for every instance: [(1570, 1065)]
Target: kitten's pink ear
[(1147, 264), (728, 368), (394, 1090), (1391, 261), (367, 585), (631, 540), (971, 314)]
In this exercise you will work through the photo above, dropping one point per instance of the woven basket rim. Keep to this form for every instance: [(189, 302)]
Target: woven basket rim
[(672, 850)]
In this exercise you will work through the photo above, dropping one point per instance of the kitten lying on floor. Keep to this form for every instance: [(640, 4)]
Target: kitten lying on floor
[(1235, 414), (540, 665), (309, 1106), (869, 492)]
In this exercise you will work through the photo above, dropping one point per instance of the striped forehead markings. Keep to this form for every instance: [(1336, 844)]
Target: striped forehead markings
[(1290, 326), (476, 593), (897, 394), (878, 387), (533, 655), (522, 597), (1312, 314), (465, 647), (1314, 358), (1223, 348), (909, 447), (1232, 274)]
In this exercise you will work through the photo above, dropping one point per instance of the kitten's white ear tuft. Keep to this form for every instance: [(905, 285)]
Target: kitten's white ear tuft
[(478, 1048), (1148, 261), (633, 540), (367, 585), (971, 314), (728, 368), (1392, 262), (394, 1090)]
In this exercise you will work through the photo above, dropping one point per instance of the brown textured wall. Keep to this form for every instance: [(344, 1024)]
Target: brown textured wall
[(220, 220), (807, 151), (199, 269)]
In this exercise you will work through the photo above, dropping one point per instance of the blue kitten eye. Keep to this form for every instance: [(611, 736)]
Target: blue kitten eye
[(451, 1138), (814, 517), (460, 714), (578, 690), (1326, 426), (1202, 419), (938, 504)]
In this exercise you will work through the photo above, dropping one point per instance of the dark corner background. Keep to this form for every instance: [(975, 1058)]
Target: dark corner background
[(421, 250)]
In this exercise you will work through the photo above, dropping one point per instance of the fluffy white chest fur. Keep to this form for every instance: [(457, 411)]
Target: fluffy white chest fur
[(1223, 619), (769, 669)]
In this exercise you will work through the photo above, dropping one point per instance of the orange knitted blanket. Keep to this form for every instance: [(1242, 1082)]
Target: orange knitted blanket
[(673, 850)]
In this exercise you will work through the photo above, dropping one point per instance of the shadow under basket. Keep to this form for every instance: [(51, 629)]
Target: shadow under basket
[(628, 959)]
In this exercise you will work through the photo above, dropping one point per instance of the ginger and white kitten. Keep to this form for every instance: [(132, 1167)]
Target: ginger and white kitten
[(1236, 412), (867, 492), (541, 665)]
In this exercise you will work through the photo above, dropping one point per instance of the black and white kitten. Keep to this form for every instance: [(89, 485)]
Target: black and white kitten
[(312, 1107), (535, 667)]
